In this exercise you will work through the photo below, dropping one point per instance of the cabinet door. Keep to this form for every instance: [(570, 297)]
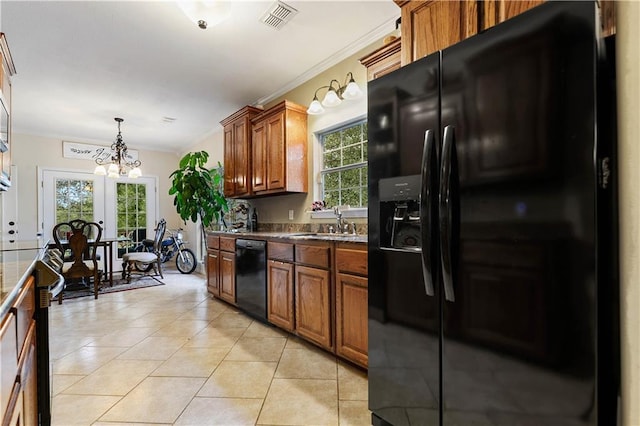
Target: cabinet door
[(351, 318), (429, 26), (228, 277), (229, 171), (313, 309), (29, 379), (608, 17), (497, 11), (213, 272), (383, 61), (8, 359), (241, 157), (276, 160), (280, 294), (259, 157)]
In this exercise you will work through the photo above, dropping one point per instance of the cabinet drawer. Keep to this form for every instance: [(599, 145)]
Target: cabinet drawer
[(8, 359), (314, 255), (280, 251), (228, 244), (351, 260), (213, 241), (24, 308)]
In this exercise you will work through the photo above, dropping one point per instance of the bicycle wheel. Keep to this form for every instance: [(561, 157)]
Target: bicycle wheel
[(186, 262)]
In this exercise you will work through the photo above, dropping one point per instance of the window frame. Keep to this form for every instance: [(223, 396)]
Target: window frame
[(353, 212)]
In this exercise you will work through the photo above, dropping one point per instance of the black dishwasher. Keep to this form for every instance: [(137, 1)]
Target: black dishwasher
[(251, 277)]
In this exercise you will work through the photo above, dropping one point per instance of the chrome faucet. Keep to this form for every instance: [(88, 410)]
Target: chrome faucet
[(341, 225)]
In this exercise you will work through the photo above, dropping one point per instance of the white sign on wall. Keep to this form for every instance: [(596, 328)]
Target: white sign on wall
[(84, 151)]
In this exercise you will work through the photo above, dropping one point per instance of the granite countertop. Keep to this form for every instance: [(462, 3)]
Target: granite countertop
[(16, 263), (308, 236)]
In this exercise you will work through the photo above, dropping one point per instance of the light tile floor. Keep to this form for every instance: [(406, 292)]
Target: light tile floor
[(173, 355)]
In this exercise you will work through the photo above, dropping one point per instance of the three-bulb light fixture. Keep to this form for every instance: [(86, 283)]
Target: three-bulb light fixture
[(335, 94), (119, 163)]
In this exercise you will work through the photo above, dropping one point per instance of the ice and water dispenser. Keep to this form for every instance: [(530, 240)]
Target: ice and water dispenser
[(400, 213)]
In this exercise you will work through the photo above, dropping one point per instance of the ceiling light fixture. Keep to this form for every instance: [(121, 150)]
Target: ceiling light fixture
[(335, 94), (120, 161), (206, 13)]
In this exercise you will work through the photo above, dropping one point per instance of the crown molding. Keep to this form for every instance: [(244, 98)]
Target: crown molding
[(364, 41)]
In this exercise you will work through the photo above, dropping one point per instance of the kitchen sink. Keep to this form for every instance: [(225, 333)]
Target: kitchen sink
[(329, 237)]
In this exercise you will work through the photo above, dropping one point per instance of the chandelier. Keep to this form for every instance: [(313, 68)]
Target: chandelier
[(120, 163)]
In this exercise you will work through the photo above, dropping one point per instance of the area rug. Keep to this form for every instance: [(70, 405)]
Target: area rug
[(75, 290)]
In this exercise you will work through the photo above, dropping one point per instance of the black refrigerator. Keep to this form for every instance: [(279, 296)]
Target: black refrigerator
[(492, 234)]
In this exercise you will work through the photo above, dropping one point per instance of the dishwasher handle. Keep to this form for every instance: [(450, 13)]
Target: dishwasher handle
[(251, 244)]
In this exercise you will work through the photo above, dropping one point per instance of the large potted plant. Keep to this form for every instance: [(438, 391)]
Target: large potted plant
[(197, 190)]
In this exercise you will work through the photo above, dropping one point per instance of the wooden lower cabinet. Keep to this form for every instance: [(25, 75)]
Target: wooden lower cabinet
[(228, 277), (313, 305), (280, 310), (213, 272), (29, 380), (351, 318), (18, 361)]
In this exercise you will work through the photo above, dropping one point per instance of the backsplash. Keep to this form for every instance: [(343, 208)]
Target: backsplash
[(361, 228), (238, 215)]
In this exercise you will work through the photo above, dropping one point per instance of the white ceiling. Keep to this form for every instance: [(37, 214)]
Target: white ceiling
[(81, 63)]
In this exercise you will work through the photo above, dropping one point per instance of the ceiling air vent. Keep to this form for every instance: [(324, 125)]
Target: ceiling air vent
[(278, 14)]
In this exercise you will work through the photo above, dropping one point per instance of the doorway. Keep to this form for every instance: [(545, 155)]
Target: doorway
[(123, 207)]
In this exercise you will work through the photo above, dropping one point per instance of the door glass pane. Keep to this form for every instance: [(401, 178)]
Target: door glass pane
[(131, 210), (74, 200)]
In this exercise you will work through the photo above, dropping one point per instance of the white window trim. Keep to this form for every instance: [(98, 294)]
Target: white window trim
[(351, 212)]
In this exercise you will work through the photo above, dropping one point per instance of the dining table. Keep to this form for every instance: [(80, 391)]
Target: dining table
[(107, 244)]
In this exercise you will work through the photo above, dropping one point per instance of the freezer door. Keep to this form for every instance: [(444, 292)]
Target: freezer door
[(519, 328), (404, 310)]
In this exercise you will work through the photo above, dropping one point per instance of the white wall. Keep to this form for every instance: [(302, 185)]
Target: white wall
[(29, 152), (628, 81), (214, 145)]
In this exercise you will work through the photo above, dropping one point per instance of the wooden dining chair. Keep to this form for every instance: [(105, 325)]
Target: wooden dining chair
[(78, 240)]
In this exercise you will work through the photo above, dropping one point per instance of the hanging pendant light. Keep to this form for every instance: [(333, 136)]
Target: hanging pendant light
[(120, 163)]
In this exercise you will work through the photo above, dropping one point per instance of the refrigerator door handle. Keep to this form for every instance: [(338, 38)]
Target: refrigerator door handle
[(446, 211), (426, 206)]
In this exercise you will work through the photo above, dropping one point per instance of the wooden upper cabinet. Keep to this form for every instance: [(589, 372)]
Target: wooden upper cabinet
[(279, 146), (432, 25), (258, 154), (608, 17), (229, 162), (384, 60), (237, 152), (276, 155), (497, 11), (7, 70)]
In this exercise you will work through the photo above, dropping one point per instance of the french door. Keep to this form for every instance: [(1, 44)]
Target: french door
[(123, 207), (131, 208), (71, 195)]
